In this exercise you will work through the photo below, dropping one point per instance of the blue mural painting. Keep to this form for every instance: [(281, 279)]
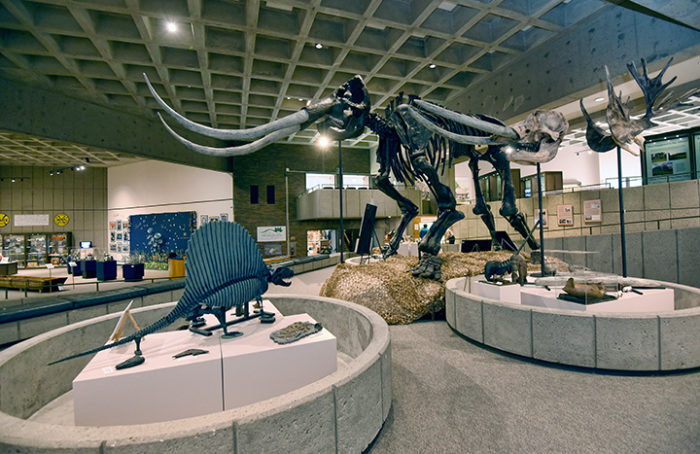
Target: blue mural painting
[(157, 236)]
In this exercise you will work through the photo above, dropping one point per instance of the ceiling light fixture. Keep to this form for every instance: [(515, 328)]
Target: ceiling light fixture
[(432, 66), (319, 46), (323, 141), (599, 99), (171, 27)]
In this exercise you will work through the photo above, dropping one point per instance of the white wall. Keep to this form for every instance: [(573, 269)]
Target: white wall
[(159, 187)]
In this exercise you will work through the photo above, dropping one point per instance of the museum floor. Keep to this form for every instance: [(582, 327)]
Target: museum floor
[(453, 396)]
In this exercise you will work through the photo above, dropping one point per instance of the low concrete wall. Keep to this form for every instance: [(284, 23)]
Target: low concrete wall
[(342, 412), (142, 296), (664, 341)]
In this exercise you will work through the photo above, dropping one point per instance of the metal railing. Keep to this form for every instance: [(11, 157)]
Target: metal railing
[(27, 288)]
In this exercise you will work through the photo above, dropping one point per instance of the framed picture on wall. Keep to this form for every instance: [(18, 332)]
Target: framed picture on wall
[(565, 215), (592, 211)]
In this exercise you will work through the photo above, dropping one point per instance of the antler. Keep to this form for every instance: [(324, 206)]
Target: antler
[(652, 88)]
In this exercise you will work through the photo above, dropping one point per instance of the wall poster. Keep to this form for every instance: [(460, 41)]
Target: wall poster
[(592, 211), (565, 215), (270, 233)]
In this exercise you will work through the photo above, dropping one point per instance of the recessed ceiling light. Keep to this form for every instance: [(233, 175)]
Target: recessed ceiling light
[(319, 46), (432, 66), (171, 27), (599, 99), (447, 6)]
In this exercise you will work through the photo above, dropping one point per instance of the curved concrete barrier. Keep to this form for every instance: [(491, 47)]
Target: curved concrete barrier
[(663, 341), (342, 412)]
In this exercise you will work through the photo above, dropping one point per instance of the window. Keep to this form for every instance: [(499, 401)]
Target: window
[(320, 181), (254, 195), (270, 194)]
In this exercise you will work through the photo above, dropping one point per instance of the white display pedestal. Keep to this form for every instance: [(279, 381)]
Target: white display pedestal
[(652, 300), (256, 368), (408, 249), (164, 388), (506, 293), (160, 389)]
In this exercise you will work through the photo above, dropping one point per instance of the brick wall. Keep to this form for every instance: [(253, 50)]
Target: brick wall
[(267, 167)]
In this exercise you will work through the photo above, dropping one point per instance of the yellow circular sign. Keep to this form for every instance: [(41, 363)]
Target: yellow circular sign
[(61, 219), (4, 219)]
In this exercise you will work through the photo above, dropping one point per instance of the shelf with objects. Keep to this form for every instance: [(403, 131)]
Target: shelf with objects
[(36, 250)]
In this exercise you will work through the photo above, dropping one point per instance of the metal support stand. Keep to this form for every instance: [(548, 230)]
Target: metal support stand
[(539, 197), (286, 209), (623, 247), (340, 186)]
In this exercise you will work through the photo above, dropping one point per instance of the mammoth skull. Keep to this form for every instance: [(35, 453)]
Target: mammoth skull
[(539, 137), (535, 139), (343, 113)]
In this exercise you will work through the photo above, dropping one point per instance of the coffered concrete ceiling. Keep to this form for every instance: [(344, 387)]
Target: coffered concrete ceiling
[(238, 64)]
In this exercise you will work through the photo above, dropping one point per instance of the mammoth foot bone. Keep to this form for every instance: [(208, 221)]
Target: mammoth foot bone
[(428, 267)]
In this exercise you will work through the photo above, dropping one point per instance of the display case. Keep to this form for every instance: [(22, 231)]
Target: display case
[(59, 247), (34, 250), (37, 250), (14, 248)]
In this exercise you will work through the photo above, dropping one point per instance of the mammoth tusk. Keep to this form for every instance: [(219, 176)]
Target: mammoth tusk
[(295, 119), (472, 122), (233, 151), (469, 140)]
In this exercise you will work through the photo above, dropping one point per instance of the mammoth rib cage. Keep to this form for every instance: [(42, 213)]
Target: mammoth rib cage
[(472, 122), (296, 119), (468, 140)]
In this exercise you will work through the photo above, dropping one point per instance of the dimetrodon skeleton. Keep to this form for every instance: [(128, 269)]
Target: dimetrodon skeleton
[(225, 270)]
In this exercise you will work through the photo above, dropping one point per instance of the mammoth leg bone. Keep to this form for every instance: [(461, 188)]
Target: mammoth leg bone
[(517, 221), (429, 265), (408, 211), (482, 208), (502, 166)]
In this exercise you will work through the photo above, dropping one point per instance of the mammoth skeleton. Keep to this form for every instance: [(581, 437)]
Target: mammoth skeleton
[(417, 139)]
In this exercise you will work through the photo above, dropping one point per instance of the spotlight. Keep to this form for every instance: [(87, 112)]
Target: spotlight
[(322, 142), (171, 27), (51, 173), (319, 46), (13, 180), (432, 66)]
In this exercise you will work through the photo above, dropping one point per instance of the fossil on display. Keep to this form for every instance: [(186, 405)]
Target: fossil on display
[(294, 332), (417, 140), (516, 266), (225, 270), (625, 129), (584, 289)]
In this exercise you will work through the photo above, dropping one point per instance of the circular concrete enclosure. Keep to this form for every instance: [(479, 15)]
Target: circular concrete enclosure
[(661, 341), (342, 412)]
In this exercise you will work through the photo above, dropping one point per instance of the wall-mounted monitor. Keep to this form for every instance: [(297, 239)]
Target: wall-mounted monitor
[(85, 244), (667, 159)]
